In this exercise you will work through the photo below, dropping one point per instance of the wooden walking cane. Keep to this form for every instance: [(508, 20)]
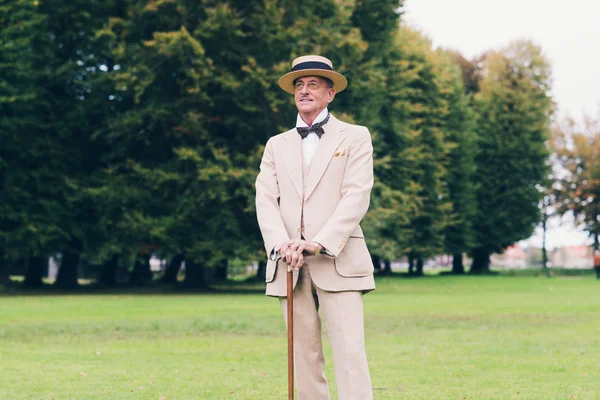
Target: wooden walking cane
[(290, 326)]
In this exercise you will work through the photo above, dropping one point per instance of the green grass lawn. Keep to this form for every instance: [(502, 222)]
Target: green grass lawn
[(432, 338)]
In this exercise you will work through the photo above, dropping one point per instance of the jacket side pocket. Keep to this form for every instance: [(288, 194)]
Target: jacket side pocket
[(354, 261)]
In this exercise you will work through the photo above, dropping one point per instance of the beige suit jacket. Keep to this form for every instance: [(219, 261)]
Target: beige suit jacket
[(335, 200)]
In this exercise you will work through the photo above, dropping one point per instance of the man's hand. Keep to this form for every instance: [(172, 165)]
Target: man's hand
[(294, 251)]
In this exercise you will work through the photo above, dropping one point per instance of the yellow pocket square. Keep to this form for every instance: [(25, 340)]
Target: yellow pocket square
[(340, 152)]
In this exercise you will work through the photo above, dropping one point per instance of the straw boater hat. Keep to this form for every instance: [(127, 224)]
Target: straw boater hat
[(312, 66)]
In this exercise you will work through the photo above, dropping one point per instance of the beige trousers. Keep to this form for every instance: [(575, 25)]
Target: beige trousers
[(343, 316)]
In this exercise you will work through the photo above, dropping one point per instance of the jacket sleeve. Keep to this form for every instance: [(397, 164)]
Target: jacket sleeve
[(356, 193), (267, 202)]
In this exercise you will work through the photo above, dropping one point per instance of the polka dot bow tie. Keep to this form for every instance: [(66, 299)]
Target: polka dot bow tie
[(316, 128)]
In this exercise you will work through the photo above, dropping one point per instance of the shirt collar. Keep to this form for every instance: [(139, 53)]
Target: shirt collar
[(300, 122)]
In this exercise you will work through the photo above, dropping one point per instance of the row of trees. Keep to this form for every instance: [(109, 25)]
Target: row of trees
[(136, 127)]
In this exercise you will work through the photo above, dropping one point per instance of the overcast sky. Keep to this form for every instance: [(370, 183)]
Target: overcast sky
[(567, 31)]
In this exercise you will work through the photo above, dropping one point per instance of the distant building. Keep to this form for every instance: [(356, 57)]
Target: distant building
[(574, 257), (513, 257)]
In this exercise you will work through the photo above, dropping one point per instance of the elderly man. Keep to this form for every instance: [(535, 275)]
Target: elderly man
[(312, 191)]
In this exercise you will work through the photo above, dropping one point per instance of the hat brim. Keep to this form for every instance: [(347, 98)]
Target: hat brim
[(286, 82)]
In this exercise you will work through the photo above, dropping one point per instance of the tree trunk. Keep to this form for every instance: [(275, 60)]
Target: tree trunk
[(194, 275), (4, 277), (261, 272), (544, 250), (481, 261), (108, 276), (458, 267), (387, 267), (596, 226), (170, 275), (69, 264), (376, 263), (36, 268), (141, 274), (411, 263), (220, 272), (419, 270)]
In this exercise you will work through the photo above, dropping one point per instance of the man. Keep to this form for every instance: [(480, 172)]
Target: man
[(312, 191)]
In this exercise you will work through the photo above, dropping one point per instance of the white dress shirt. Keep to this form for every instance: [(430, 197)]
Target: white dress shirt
[(311, 141)]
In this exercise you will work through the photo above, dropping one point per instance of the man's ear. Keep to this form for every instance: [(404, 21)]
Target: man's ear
[(331, 95)]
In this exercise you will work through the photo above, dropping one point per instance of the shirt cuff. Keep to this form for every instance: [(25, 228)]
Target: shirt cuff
[(324, 250), (274, 256)]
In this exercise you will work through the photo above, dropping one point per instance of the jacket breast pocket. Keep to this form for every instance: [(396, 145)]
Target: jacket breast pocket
[(354, 261), (340, 156)]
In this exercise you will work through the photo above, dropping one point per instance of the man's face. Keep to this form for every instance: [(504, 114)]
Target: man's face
[(312, 95)]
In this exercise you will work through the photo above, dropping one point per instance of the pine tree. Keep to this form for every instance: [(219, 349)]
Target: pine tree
[(32, 189), (416, 148), (460, 134), (21, 22), (49, 55), (514, 110)]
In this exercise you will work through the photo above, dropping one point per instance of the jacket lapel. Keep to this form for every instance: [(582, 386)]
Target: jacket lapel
[(292, 157), (334, 135)]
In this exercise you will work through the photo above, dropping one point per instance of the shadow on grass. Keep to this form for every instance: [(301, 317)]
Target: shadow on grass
[(555, 272), (152, 288), (251, 286), (526, 272), (429, 274)]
